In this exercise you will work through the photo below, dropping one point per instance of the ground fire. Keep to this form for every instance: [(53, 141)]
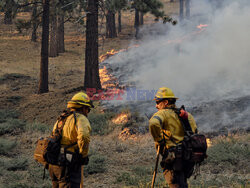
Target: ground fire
[(121, 118), (209, 142)]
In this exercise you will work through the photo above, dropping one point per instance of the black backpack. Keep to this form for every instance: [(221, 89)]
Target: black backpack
[(48, 149), (194, 145)]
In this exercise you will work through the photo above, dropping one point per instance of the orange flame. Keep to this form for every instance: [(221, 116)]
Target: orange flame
[(201, 26), (107, 80), (107, 55), (126, 134), (209, 142), (120, 119), (112, 52)]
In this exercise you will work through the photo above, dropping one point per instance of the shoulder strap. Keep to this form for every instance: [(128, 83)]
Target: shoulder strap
[(184, 122), (62, 119)]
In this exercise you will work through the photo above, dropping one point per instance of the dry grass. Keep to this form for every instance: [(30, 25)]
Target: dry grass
[(127, 162)]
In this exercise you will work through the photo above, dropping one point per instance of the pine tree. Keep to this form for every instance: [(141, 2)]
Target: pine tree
[(92, 79), (43, 82), (144, 6), (53, 47), (181, 9), (111, 7), (187, 3)]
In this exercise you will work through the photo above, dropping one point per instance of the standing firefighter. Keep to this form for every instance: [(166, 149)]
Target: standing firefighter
[(75, 138), (168, 133)]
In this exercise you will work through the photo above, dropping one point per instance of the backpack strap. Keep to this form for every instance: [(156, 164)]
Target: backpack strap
[(184, 122), (61, 120)]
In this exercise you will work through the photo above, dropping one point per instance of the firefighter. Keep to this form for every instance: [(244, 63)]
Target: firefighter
[(168, 132), (74, 144)]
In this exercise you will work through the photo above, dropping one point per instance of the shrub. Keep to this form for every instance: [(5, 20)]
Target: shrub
[(142, 171), (14, 164), (227, 164), (127, 178), (11, 126), (6, 146), (7, 114), (22, 24), (100, 123), (228, 150), (14, 99), (34, 176), (140, 176), (36, 126), (13, 76), (96, 164)]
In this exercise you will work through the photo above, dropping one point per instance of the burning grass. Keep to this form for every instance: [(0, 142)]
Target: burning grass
[(121, 118)]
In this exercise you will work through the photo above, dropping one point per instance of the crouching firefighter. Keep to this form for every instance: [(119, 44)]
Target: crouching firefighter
[(75, 138), (168, 133)]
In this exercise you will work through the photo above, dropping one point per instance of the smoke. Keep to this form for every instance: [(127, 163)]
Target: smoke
[(199, 65)]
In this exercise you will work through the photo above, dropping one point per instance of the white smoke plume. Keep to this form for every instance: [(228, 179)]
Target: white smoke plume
[(205, 65), (214, 63)]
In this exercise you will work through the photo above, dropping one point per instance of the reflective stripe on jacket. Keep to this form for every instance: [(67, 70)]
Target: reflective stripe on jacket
[(167, 120), (76, 132)]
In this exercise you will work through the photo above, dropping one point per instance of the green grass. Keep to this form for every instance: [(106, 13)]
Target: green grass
[(14, 164), (12, 76), (228, 163), (9, 124), (139, 176), (127, 178), (36, 126), (6, 146), (12, 126), (97, 164), (7, 114), (100, 123)]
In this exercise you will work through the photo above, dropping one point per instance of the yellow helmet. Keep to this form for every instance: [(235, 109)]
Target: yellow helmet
[(80, 99), (164, 93)]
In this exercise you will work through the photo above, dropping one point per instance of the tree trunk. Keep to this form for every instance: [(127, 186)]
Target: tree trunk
[(141, 18), (8, 12), (60, 33), (119, 21), (92, 79), (53, 40), (187, 3), (136, 25), (181, 9), (43, 83), (34, 23), (110, 25), (137, 19)]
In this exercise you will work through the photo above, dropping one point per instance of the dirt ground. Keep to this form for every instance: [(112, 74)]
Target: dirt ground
[(20, 62), (19, 77), (20, 65)]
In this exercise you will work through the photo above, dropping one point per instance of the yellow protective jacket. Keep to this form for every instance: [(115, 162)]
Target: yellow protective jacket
[(78, 132), (167, 121)]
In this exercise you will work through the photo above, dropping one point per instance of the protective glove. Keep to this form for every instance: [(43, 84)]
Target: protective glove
[(85, 160), (162, 146)]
